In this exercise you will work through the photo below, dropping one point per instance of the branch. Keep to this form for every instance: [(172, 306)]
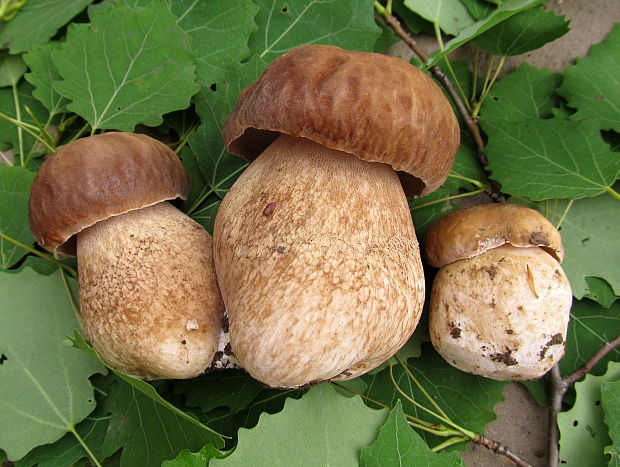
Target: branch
[(471, 123), (499, 448), (559, 386)]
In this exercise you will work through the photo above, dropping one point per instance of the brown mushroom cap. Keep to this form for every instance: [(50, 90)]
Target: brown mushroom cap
[(380, 108), (469, 232), (94, 178)]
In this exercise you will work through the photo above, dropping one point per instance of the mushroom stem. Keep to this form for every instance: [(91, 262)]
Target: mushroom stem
[(318, 263), (150, 303)]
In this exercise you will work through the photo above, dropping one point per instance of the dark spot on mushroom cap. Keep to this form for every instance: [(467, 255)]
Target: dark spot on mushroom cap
[(538, 238), (556, 339), (183, 342), (509, 331), (492, 271), (455, 332), (504, 357)]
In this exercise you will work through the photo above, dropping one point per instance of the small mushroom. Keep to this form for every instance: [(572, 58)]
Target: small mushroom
[(500, 303), (314, 245), (150, 304)]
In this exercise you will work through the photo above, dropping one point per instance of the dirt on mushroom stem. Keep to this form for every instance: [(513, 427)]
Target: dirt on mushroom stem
[(318, 263)]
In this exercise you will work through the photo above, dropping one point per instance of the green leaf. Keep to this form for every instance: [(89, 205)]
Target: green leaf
[(233, 389), (218, 168), (502, 13), (583, 433), (148, 391), (600, 291), (12, 68), (450, 15), (467, 399), (195, 459), (610, 398), (321, 428), (148, 61), (399, 445), (37, 22), (285, 24), (592, 86), (44, 387), (429, 208), (219, 33), (43, 75), (15, 185), (525, 31), (525, 94), (587, 228), (589, 328), (8, 131), (574, 163), (478, 9)]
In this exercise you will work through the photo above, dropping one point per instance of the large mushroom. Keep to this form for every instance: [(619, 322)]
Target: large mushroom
[(149, 299), (315, 249), (500, 303)]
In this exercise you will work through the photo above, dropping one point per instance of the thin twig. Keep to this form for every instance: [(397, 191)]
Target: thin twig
[(471, 123), (559, 386), (499, 448)]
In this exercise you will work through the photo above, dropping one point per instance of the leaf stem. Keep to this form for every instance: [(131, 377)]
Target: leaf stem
[(447, 198), (6, 159), (474, 182), (420, 387), (18, 116), (74, 306), (450, 442), (568, 206), (613, 192), (185, 138), (40, 254), (84, 446), (28, 129)]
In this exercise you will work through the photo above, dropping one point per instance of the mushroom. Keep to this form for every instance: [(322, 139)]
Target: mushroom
[(500, 303), (150, 304), (314, 245)]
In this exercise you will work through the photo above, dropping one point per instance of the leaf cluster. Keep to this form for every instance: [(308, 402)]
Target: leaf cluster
[(174, 69)]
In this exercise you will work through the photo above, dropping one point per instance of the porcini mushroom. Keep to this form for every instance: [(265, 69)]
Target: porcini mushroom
[(500, 303), (315, 249), (149, 299)]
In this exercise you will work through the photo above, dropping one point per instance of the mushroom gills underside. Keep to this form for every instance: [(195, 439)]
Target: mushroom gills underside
[(318, 263), (150, 303)]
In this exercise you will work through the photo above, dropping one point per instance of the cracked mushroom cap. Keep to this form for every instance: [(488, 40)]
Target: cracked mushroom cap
[(379, 108), (94, 178), (471, 231)]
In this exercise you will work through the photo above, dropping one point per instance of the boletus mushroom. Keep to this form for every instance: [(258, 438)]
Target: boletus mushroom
[(314, 245), (500, 303), (149, 300)]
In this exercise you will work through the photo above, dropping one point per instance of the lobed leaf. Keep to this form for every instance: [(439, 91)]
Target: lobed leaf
[(12, 68), (15, 185), (600, 291), (186, 458), (545, 159), (583, 433), (147, 63), (43, 74), (398, 444), (589, 328), (285, 24), (587, 228), (37, 22), (450, 15), (506, 9), (321, 428), (610, 399), (525, 94), (522, 32), (44, 387), (467, 399), (592, 85)]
